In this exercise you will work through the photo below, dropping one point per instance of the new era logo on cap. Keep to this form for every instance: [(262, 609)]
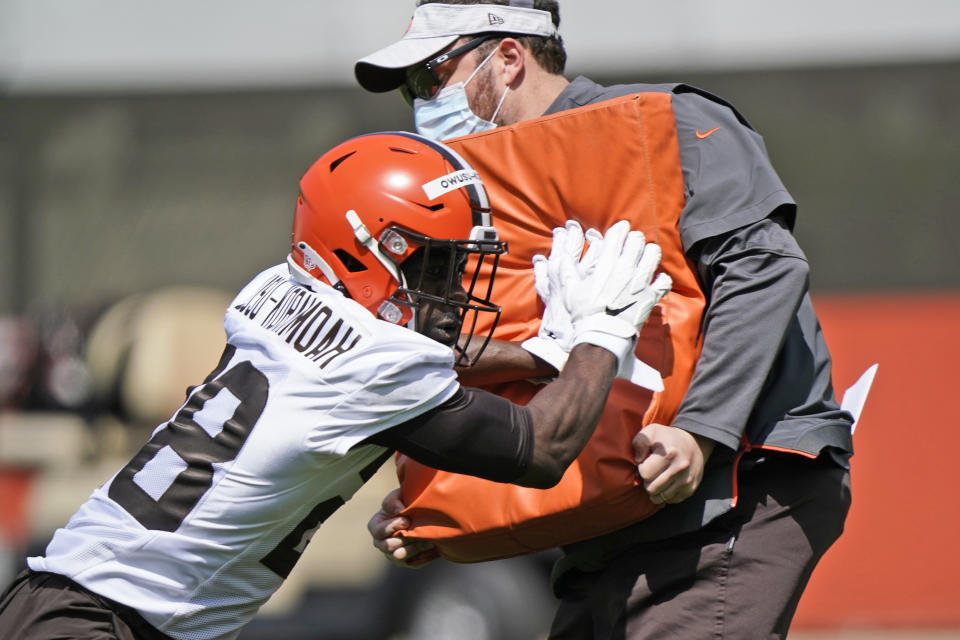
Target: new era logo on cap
[(494, 18)]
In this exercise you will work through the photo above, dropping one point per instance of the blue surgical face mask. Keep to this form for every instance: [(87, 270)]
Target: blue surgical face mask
[(448, 114)]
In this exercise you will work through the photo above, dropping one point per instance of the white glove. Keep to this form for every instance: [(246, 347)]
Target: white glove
[(611, 297), (556, 335)]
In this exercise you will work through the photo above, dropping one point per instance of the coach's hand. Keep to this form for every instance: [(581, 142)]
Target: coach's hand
[(670, 461), (384, 525)]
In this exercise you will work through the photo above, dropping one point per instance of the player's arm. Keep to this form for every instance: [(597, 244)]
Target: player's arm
[(481, 434), (504, 361), (566, 412)]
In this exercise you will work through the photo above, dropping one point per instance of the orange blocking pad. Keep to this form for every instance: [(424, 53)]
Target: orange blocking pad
[(897, 564), (600, 492)]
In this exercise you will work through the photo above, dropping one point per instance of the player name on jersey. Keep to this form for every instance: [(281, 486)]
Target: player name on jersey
[(300, 317)]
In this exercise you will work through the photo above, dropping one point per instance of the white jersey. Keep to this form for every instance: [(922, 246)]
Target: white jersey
[(206, 521)]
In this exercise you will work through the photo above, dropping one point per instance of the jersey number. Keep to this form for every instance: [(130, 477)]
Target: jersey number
[(285, 555), (197, 448)]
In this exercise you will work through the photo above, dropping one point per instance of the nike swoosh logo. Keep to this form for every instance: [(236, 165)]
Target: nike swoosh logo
[(704, 135), (616, 312)]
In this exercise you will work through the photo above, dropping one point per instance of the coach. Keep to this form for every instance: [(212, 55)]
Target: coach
[(753, 472)]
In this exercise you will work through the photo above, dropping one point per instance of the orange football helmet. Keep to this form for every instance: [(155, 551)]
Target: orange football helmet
[(369, 203)]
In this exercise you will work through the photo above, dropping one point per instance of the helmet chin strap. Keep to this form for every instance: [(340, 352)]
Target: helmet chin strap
[(364, 237)]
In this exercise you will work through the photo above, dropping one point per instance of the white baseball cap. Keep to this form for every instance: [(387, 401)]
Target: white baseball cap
[(435, 26)]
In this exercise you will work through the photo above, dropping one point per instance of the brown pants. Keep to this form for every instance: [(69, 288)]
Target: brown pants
[(47, 606), (739, 578)]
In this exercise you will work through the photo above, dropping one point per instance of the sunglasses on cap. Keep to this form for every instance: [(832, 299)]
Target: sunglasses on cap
[(422, 80)]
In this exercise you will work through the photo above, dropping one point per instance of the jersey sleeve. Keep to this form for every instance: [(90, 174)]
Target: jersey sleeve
[(399, 377), (729, 180), (474, 433)]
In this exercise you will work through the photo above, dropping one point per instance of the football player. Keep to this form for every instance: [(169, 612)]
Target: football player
[(321, 380)]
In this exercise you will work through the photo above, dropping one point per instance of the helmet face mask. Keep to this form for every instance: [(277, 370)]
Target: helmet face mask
[(435, 290), (374, 210)]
